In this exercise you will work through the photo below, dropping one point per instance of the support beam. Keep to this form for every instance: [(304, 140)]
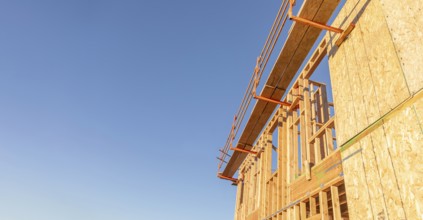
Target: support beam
[(227, 178), (298, 44)]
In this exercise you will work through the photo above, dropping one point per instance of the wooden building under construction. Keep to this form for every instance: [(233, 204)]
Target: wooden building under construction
[(299, 155)]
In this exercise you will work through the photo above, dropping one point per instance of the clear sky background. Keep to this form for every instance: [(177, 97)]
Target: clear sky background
[(114, 110)]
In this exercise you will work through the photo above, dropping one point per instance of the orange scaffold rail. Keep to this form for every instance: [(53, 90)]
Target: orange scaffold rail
[(265, 54)]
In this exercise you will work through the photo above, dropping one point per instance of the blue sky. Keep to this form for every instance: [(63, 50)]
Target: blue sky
[(115, 109)]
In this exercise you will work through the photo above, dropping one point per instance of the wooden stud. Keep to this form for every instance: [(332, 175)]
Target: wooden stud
[(323, 205), (335, 203)]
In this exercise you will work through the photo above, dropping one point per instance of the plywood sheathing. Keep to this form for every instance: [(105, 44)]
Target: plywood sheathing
[(405, 22), (404, 140), (371, 74), (349, 92), (298, 44), (372, 45)]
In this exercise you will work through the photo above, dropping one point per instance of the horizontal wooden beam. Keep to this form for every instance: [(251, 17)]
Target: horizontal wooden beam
[(328, 124), (297, 46)]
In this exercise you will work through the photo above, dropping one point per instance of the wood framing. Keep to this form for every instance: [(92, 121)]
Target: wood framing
[(298, 44), (358, 157)]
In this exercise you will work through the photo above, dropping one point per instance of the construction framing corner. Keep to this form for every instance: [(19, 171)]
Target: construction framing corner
[(302, 156)]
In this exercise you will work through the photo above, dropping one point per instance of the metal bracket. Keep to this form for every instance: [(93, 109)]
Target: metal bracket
[(227, 178), (344, 33), (243, 150), (256, 82), (271, 100)]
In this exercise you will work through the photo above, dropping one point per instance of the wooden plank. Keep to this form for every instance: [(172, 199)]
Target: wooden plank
[(295, 147), (323, 201), (318, 133), (262, 195), (315, 144), (329, 140), (282, 138), (298, 44), (297, 212), (303, 211), (291, 151), (307, 124), (316, 217), (303, 134), (320, 142), (329, 169), (313, 210), (336, 208), (253, 215)]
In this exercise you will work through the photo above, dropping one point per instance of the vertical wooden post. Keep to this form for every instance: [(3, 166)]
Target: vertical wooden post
[(335, 203), (324, 116), (295, 145), (238, 201), (329, 140), (308, 124), (297, 212), (247, 191), (313, 210), (303, 134), (262, 187), (290, 146), (303, 211), (324, 104), (318, 119), (323, 200), (268, 170), (283, 154)]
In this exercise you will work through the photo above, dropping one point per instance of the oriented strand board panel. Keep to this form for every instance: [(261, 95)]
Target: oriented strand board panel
[(388, 78), (418, 107), (404, 137), (405, 22), (386, 173), (374, 183), (356, 184), (364, 73), (299, 42), (353, 86), (344, 117), (383, 189), (376, 78), (371, 77)]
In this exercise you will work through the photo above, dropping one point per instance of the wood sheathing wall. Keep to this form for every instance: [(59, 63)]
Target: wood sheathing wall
[(377, 80)]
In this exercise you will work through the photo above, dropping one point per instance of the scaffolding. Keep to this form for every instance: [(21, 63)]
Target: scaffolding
[(353, 158)]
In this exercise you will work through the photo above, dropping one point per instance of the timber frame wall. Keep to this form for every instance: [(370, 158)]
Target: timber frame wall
[(370, 168)]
